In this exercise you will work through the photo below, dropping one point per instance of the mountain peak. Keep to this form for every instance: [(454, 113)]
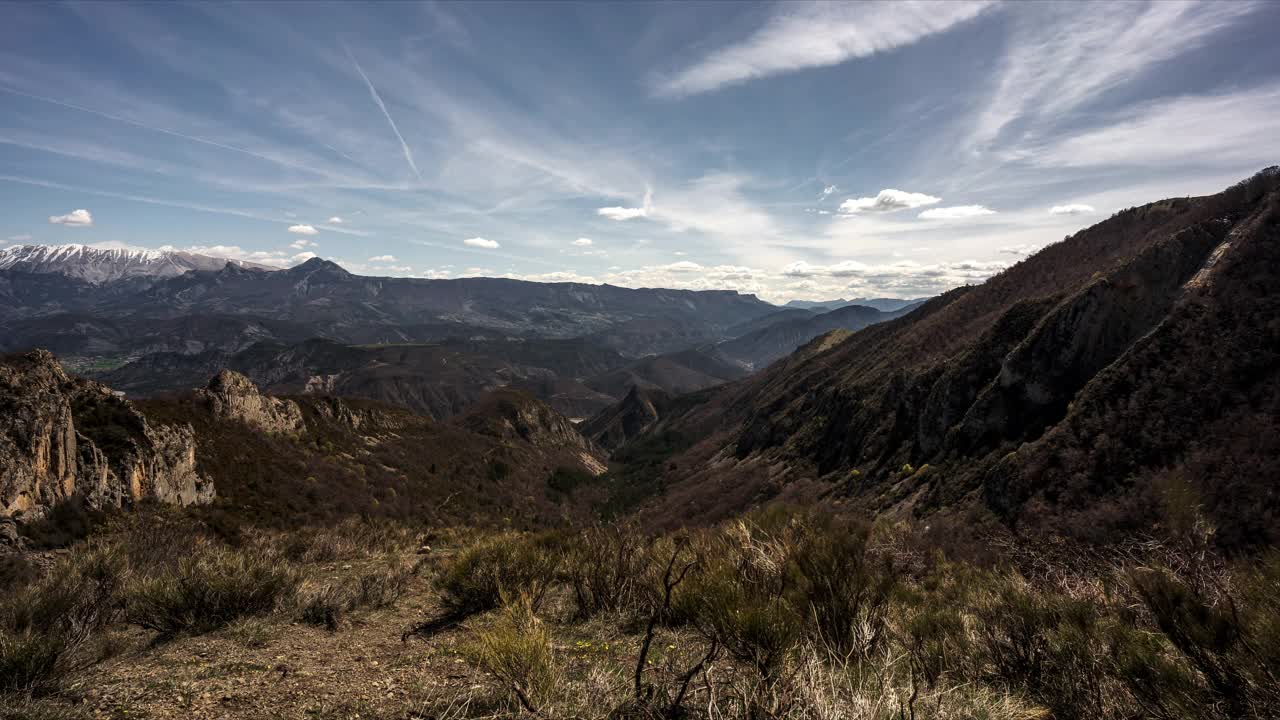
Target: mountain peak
[(317, 264), (99, 265)]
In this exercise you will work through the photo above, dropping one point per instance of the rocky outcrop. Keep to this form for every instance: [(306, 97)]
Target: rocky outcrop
[(64, 437), (516, 416), (612, 427), (232, 396)]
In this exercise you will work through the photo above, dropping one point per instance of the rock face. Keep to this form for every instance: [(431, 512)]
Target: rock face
[(516, 416), (629, 418), (64, 437), (232, 396)]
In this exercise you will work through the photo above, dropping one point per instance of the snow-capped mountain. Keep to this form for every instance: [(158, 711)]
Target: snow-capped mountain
[(99, 265)]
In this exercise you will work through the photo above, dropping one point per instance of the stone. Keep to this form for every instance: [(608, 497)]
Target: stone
[(233, 396), (63, 437)]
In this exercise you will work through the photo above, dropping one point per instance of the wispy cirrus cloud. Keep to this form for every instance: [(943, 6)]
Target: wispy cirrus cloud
[(1175, 131), (957, 212), (813, 34), (1064, 56)]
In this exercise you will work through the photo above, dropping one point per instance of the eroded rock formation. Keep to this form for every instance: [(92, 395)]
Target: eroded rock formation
[(63, 437), (233, 396)]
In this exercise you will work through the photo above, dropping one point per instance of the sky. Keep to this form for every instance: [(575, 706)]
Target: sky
[(791, 150)]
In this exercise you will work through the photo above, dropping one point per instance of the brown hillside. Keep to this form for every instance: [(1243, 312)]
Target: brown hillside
[(1156, 326)]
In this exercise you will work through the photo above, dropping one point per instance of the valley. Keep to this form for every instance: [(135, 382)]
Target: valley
[(760, 360)]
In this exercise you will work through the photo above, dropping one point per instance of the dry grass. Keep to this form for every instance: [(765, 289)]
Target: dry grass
[(745, 631)]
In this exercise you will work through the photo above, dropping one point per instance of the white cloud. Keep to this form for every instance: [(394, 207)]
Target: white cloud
[(683, 266), (235, 252), (826, 191), (798, 280), (622, 213), (301, 244), (583, 242), (302, 257), (303, 230), (1077, 209), (626, 213), (75, 218), (813, 35), (888, 200), (957, 212), (383, 259), (335, 220), (20, 238), (480, 242)]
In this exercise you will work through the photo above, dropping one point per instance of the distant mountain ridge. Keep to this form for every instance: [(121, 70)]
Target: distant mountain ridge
[(326, 301), (756, 350), (102, 265), (881, 304)]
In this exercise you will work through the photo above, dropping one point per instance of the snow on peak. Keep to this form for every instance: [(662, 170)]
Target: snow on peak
[(105, 264)]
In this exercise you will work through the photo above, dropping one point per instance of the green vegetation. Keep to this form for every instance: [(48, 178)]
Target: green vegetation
[(210, 588)]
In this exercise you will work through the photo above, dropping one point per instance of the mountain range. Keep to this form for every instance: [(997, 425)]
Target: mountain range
[(134, 321), (103, 265), (1114, 381)]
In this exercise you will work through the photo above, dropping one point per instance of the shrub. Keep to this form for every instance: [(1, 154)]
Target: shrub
[(382, 586), (157, 538), (516, 649), (46, 628), (325, 607), (23, 708), (737, 599), (508, 564), (842, 588), (210, 588), (353, 537), (1053, 645), (605, 566), (1229, 637)]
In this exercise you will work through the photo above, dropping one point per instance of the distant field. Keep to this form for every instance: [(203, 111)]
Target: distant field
[(80, 365)]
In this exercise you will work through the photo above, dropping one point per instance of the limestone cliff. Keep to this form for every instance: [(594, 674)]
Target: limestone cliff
[(64, 437), (233, 396)]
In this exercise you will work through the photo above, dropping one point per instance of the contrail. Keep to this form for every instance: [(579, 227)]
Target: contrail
[(408, 154)]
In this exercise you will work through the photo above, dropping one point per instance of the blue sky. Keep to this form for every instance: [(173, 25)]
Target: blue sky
[(792, 150)]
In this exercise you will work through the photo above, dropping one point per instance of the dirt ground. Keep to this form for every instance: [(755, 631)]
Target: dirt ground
[(278, 667)]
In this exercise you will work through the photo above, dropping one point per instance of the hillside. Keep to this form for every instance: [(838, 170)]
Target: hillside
[(758, 349), (577, 377), (345, 457), (1080, 391)]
